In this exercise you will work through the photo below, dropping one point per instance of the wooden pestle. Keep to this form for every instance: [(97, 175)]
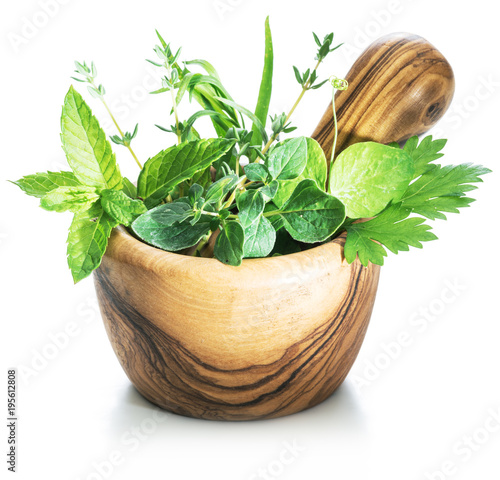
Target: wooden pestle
[(400, 86)]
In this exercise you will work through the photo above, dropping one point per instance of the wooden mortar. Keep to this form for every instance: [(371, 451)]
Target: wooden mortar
[(276, 335)]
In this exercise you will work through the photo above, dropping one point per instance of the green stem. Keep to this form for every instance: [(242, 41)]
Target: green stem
[(201, 244), (215, 214), (290, 113), (239, 186), (174, 106), (118, 127), (334, 137), (121, 133)]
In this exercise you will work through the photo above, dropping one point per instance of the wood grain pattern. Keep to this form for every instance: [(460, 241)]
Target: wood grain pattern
[(400, 86), (269, 338)]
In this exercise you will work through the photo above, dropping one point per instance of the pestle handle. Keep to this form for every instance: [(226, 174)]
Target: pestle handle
[(400, 86)]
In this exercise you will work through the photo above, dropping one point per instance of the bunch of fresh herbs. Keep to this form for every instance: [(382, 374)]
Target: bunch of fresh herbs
[(255, 195)]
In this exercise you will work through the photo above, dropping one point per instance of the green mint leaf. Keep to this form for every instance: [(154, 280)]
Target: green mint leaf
[(256, 172), (392, 229), (266, 86), (315, 169), (260, 237), (73, 199), (88, 152), (119, 206), (39, 184), (424, 153), (129, 188), (250, 204), (87, 241), (288, 160), (442, 189), (153, 228), (178, 163), (229, 244), (367, 176), (311, 215)]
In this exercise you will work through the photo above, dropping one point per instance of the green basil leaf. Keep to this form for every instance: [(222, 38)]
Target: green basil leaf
[(311, 215), (367, 176), (121, 207), (260, 237), (74, 199), (229, 244), (88, 151), (256, 172), (39, 184), (250, 204), (316, 168), (87, 240), (175, 164), (288, 159)]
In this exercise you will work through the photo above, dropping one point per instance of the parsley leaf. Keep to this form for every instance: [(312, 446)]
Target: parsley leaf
[(442, 189), (434, 190), (392, 228), (424, 153)]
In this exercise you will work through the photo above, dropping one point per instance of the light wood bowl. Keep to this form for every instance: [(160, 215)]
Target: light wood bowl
[(276, 335), (199, 338)]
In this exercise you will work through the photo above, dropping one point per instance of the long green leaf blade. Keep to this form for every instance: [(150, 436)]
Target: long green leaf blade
[(266, 85)]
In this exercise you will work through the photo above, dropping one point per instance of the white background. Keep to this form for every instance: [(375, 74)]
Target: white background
[(399, 417)]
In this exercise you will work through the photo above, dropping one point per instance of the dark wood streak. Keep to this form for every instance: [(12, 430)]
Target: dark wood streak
[(174, 377)]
